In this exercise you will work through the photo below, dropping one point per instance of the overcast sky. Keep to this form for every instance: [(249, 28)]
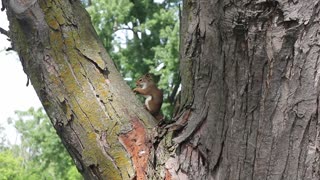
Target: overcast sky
[(14, 95)]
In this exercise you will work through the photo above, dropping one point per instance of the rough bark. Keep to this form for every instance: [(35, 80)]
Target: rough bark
[(249, 101), (251, 109), (104, 128)]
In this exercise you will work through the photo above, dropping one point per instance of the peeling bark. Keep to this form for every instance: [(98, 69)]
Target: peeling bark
[(138, 147)]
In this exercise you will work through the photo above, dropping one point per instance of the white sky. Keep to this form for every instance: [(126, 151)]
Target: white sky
[(14, 95)]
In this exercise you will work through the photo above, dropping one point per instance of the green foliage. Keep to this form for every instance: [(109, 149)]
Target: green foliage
[(105, 15), (10, 165), (41, 154), (2, 139), (141, 36)]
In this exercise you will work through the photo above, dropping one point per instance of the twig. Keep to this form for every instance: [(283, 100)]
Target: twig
[(3, 6), (9, 49), (2, 31)]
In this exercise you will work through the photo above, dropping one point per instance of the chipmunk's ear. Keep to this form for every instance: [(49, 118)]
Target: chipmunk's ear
[(148, 75)]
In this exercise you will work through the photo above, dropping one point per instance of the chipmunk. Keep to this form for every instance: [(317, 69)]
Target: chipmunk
[(153, 95)]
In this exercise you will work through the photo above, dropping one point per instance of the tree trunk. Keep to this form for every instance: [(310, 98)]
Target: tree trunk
[(251, 109), (106, 131), (249, 100)]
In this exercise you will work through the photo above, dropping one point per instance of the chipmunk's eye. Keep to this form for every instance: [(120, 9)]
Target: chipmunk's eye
[(140, 80)]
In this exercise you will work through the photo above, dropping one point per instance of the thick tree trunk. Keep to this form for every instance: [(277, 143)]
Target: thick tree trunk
[(251, 111), (106, 131)]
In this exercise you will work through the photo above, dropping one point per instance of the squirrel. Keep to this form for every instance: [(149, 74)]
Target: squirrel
[(153, 95)]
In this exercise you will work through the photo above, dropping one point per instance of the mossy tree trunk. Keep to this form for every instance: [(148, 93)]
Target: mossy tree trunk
[(249, 101), (104, 128)]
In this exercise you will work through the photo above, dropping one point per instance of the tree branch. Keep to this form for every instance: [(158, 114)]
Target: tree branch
[(2, 31), (3, 5), (9, 49), (125, 28)]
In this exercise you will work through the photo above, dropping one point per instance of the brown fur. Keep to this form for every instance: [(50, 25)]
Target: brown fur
[(146, 87)]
